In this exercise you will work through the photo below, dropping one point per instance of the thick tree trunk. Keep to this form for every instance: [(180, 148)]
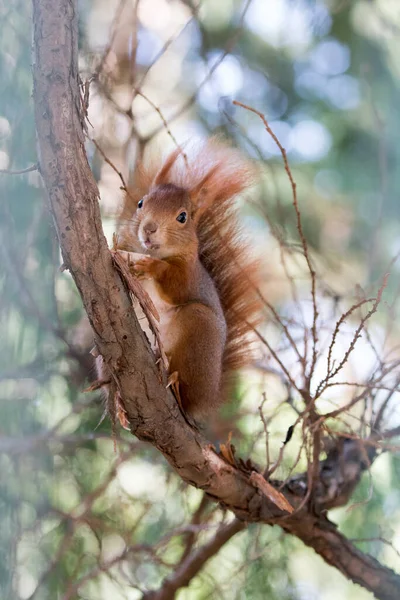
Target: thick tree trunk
[(152, 411)]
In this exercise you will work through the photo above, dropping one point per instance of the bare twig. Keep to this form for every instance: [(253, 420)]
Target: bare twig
[(301, 234), (20, 171)]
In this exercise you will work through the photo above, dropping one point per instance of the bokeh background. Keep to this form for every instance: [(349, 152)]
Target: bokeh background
[(88, 514)]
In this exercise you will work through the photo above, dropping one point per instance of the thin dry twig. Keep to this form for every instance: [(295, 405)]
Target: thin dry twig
[(229, 47), (357, 335), (166, 126), (114, 29), (303, 240), (20, 171)]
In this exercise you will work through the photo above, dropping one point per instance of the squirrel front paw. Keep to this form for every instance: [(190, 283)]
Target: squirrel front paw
[(138, 263), (143, 265)]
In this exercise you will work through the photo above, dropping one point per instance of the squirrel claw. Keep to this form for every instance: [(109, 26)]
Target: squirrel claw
[(172, 379), (173, 383), (142, 264), (137, 262), (121, 413), (228, 450)]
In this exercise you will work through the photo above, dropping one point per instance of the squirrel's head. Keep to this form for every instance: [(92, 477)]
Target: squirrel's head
[(166, 218), (164, 222)]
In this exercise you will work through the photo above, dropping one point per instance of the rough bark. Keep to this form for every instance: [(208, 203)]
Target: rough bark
[(152, 411)]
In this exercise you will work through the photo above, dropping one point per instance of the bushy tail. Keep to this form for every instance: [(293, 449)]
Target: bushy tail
[(224, 251)]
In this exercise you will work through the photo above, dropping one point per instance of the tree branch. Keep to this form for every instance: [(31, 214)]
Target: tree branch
[(191, 566), (341, 553), (153, 413), (196, 520)]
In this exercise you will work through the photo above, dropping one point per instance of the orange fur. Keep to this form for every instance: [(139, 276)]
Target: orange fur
[(206, 188)]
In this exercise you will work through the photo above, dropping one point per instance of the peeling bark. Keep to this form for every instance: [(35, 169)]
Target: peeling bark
[(152, 411)]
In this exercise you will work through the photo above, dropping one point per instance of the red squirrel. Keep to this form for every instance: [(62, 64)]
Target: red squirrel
[(179, 228)]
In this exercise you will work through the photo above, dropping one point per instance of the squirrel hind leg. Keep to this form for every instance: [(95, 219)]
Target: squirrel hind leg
[(196, 354)]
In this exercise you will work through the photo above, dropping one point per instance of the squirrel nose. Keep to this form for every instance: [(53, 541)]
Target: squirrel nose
[(150, 227)]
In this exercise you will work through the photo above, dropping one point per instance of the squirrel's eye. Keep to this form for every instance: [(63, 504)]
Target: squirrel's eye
[(140, 203), (182, 217)]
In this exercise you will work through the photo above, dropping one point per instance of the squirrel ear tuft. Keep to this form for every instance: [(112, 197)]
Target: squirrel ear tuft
[(162, 175)]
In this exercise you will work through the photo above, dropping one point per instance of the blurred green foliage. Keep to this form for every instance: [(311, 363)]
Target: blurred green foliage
[(327, 78)]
